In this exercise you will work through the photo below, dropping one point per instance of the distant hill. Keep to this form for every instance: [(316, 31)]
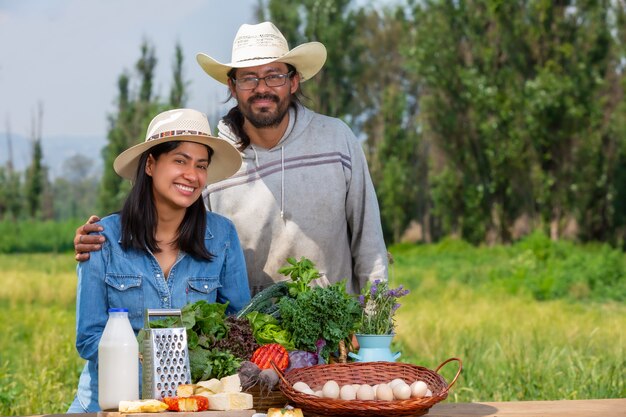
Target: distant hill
[(56, 150)]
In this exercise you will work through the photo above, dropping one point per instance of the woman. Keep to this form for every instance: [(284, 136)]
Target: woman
[(163, 250)]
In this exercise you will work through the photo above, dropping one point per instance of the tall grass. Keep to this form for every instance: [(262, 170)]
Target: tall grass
[(39, 365), (538, 320), (514, 347)]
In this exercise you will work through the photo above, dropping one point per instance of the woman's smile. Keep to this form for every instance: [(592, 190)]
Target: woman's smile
[(186, 189)]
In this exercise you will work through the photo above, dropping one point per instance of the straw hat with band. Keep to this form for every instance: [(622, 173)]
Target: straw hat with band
[(185, 125), (262, 44)]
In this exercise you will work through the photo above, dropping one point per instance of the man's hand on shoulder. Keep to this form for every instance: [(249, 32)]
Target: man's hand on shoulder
[(84, 242)]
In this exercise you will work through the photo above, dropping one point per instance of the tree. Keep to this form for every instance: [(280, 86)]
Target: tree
[(127, 126), (76, 190), (178, 92), (515, 102), (388, 118), (111, 187), (36, 174), (11, 200), (618, 125)]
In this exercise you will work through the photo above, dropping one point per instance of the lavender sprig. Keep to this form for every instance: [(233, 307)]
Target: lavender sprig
[(379, 304)]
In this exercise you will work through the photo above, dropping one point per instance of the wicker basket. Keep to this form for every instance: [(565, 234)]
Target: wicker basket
[(366, 373), (264, 400)]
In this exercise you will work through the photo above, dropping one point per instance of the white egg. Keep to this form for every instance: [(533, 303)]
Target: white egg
[(429, 393), (331, 390), (302, 386), (402, 391), (418, 389), (319, 393), (384, 393), (395, 382), (356, 387), (347, 392), (365, 392)]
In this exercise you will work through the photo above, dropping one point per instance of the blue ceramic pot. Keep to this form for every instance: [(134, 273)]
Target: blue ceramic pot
[(374, 347)]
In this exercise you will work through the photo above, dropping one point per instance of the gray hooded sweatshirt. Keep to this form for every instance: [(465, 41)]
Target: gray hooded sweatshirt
[(309, 196)]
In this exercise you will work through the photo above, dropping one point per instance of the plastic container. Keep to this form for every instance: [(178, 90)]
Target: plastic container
[(118, 361)]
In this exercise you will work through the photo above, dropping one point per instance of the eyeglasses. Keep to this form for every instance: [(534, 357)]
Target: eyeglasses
[(273, 80)]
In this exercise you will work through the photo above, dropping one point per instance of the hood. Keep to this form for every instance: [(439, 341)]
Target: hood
[(298, 121)]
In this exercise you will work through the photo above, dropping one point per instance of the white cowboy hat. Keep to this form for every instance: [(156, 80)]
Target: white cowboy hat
[(261, 44), (186, 125)]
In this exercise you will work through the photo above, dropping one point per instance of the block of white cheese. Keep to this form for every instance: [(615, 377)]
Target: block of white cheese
[(230, 401), (231, 383)]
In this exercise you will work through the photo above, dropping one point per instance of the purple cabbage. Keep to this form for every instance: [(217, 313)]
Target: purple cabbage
[(301, 359)]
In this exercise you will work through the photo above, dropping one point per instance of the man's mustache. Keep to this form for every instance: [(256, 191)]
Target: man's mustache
[(256, 97)]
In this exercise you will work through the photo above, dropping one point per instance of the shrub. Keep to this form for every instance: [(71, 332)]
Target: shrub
[(27, 236)]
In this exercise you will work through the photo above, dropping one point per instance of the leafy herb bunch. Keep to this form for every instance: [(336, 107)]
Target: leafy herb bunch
[(302, 273), (379, 304), (316, 316)]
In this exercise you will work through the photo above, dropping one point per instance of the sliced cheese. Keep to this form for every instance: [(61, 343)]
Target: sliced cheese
[(142, 406), (203, 392), (230, 401), (231, 383), (213, 385)]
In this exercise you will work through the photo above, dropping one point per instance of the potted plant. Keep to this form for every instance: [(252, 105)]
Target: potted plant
[(379, 304)]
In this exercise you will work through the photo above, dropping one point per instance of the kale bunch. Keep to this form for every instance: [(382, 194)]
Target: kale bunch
[(329, 314)]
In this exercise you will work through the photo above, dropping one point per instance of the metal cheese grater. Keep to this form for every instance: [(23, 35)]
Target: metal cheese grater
[(165, 357)]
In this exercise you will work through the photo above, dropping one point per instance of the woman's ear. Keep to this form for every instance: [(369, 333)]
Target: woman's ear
[(150, 165)]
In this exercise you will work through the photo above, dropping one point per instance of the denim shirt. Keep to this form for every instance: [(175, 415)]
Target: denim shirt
[(132, 279)]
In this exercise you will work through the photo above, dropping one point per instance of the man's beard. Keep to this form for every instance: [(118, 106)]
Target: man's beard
[(265, 118)]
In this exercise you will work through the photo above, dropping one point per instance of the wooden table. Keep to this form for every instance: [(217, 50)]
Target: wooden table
[(564, 408)]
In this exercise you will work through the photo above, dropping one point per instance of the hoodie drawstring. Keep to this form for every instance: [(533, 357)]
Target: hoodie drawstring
[(256, 156), (282, 177), (282, 182)]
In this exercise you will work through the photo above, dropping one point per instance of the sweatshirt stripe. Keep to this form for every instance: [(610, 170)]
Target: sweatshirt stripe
[(256, 173)]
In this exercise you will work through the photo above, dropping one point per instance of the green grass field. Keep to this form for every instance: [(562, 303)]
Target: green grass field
[(39, 366), (518, 337)]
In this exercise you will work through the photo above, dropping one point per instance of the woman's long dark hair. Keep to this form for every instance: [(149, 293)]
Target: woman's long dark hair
[(234, 118), (139, 216)]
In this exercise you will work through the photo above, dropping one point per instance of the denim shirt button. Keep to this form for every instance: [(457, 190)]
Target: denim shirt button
[(206, 286), (121, 285), (165, 299), (158, 275)]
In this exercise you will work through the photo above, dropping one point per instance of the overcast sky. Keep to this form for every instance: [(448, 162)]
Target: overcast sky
[(68, 54)]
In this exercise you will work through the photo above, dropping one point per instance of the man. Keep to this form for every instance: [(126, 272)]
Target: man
[(304, 189)]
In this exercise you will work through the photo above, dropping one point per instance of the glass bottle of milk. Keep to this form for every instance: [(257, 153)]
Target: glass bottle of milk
[(118, 361)]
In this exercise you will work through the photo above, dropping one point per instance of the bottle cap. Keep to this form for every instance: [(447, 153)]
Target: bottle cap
[(118, 310)]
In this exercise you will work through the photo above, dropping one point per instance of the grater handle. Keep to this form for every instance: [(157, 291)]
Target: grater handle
[(161, 312)]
